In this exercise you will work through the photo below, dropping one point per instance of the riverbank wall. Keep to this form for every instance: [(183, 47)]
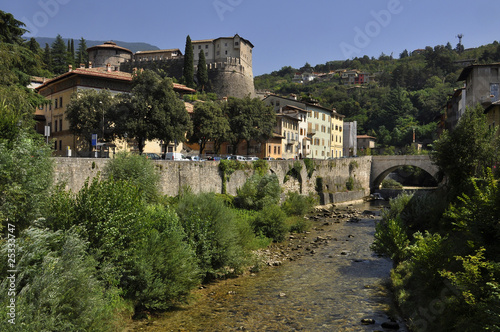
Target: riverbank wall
[(336, 180)]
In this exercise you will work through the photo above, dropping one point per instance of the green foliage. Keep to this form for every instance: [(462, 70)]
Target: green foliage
[(227, 168), (299, 224), (202, 73), (350, 183), (57, 288), (260, 166), (391, 184), (165, 266), (468, 151), (271, 222), (211, 231), (249, 119), (209, 124), (259, 191), (88, 113), (26, 174), (310, 167), (188, 72), (137, 170), (151, 111), (298, 205)]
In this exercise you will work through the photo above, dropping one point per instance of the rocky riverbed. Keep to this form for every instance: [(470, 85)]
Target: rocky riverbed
[(324, 280)]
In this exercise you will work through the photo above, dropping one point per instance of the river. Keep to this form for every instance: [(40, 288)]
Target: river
[(330, 280)]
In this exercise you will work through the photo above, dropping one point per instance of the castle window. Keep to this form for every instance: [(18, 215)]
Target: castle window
[(56, 104), (236, 43), (206, 54), (225, 44), (206, 47), (199, 47), (218, 52), (226, 52)]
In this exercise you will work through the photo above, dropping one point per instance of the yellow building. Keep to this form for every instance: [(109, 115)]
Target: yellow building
[(336, 133), (58, 92)]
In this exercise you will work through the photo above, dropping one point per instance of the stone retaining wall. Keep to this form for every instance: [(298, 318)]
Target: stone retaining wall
[(206, 177)]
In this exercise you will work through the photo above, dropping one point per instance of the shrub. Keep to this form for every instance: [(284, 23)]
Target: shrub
[(25, 179), (211, 231), (270, 222), (261, 166), (391, 184), (259, 191), (298, 205), (165, 267), (137, 170), (299, 224), (350, 183), (57, 288)]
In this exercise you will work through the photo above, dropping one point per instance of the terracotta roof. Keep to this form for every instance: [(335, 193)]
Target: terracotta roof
[(94, 72), (111, 45), (159, 51), (182, 88), (365, 137)]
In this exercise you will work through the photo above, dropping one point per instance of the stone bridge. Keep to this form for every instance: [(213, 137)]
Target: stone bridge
[(383, 165)]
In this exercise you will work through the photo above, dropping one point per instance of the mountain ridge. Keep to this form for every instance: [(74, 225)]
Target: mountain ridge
[(133, 46)]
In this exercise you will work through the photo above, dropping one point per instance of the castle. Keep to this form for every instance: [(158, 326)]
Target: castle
[(229, 62)]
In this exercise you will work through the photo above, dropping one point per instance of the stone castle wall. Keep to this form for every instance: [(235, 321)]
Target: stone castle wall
[(228, 78), (206, 177)]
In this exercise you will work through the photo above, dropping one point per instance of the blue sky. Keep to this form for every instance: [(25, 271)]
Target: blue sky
[(284, 32)]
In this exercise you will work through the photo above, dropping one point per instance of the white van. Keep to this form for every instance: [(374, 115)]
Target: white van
[(174, 156)]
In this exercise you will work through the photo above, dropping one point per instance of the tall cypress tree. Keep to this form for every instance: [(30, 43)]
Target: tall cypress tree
[(188, 72), (82, 56), (47, 58), (59, 56), (202, 73)]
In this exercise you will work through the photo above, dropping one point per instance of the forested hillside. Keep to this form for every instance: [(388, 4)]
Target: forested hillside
[(408, 93)]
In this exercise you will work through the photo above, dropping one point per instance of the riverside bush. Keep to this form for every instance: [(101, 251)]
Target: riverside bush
[(271, 222), (212, 232), (164, 264), (136, 170), (298, 205), (57, 288), (259, 191)]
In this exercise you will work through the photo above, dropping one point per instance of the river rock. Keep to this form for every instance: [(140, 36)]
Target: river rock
[(390, 325), (367, 321)]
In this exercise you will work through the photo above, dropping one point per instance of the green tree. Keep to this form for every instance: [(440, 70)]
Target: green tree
[(59, 56), (151, 111), (249, 119), (209, 125), (202, 73), (188, 72), (47, 57), (468, 151), (88, 113), (11, 30), (82, 56)]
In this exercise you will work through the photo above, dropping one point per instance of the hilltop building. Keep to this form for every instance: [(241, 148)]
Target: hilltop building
[(228, 59), (108, 54)]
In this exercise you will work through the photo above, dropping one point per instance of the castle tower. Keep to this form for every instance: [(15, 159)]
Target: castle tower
[(109, 53)]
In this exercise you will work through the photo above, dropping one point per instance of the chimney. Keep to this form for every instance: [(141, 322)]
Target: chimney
[(90, 64), (82, 65), (70, 68), (108, 67)]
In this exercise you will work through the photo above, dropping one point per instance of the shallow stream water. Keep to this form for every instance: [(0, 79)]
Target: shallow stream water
[(335, 284)]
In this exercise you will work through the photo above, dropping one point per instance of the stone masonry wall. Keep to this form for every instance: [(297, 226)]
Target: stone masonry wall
[(206, 177)]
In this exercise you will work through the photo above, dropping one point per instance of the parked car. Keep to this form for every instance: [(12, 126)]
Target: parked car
[(235, 157), (152, 156), (194, 158), (174, 156), (252, 158), (269, 158)]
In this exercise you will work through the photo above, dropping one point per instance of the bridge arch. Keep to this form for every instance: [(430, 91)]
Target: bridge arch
[(384, 165)]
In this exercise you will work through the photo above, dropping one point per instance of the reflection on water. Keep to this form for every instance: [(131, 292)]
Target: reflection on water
[(330, 288)]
